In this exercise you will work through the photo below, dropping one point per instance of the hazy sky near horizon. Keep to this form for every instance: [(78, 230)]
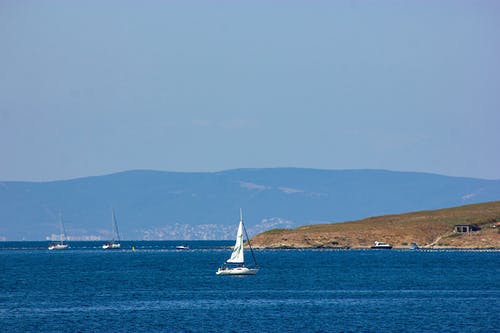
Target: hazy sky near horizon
[(95, 87)]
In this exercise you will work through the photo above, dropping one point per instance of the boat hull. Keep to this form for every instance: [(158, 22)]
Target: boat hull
[(381, 246), (237, 271), (58, 247), (114, 246)]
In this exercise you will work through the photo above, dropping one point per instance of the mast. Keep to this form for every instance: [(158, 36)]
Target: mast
[(61, 225), (248, 239), (115, 226)]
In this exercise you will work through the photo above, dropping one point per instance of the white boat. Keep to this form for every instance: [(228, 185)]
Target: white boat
[(114, 244), (111, 246), (60, 245), (182, 247), (235, 265), (382, 245)]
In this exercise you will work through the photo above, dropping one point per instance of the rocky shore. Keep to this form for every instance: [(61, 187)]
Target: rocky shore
[(428, 229)]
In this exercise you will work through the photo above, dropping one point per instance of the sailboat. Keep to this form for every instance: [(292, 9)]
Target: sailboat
[(60, 245), (235, 265), (115, 240)]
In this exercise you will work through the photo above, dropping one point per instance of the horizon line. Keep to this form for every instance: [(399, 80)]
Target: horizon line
[(51, 180)]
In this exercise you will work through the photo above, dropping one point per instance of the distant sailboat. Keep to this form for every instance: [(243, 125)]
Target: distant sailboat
[(115, 241), (235, 265), (60, 245)]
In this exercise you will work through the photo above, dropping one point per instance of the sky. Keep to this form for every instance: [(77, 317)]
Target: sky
[(95, 87)]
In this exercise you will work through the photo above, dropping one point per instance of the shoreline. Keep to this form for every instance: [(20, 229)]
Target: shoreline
[(466, 227), (399, 249)]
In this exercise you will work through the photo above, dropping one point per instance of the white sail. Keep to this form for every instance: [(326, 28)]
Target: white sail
[(237, 257)]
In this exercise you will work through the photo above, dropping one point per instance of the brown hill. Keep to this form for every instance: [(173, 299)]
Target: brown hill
[(431, 229)]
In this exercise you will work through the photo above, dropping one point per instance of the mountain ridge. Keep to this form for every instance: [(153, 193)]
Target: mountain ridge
[(240, 170), (152, 204)]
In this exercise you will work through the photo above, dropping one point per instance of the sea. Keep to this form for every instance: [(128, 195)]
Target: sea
[(152, 287)]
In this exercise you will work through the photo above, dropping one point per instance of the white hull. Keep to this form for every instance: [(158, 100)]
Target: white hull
[(113, 246), (237, 271), (382, 246), (58, 247)]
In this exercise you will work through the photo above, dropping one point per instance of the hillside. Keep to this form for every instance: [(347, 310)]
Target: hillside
[(432, 229), (205, 205)]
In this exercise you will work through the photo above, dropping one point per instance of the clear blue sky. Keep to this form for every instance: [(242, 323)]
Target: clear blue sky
[(95, 87)]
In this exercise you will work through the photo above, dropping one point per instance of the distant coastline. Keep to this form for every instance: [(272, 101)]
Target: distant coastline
[(435, 229), (155, 205)]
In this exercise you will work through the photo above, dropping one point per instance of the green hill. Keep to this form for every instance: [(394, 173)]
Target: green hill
[(432, 229)]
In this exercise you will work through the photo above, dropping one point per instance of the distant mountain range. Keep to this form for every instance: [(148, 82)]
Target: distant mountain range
[(175, 205)]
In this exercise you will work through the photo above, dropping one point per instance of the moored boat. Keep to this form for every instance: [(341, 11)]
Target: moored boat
[(382, 245)]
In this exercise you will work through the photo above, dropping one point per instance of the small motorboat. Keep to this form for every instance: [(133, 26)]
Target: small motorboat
[(182, 247), (382, 245)]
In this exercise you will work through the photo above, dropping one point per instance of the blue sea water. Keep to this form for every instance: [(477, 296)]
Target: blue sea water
[(159, 289)]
